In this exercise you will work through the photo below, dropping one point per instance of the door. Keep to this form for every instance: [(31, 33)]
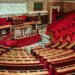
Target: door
[(53, 12)]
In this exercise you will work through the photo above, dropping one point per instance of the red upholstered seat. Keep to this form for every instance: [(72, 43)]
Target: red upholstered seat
[(23, 17), (56, 40), (65, 25), (10, 43), (2, 21), (64, 40), (72, 38), (65, 32), (56, 35), (62, 33), (72, 29), (8, 23), (59, 27), (66, 21), (68, 32), (54, 29), (50, 27)]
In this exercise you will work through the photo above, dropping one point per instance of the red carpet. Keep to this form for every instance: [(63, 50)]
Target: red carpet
[(28, 40)]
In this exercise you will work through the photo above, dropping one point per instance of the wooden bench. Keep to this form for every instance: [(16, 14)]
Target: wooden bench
[(48, 44), (55, 45), (21, 66), (72, 73), (24, 72), (55, 66), (65, 69), (59, 59), (18, 58), (70, 45), (4, 49), (39, 55), (33, 50), (46, 57)]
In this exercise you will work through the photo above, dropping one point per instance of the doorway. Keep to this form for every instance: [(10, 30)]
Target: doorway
[(53, 12)]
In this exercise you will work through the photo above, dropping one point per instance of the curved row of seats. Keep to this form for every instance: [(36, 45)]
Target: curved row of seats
[(72, 73), (20, 59), (62, 67), (24, 72), (4, 49), (57, 61), (63, 33), (65, 69)]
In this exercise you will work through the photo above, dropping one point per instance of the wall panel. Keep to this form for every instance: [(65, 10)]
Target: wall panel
[(69, 6)]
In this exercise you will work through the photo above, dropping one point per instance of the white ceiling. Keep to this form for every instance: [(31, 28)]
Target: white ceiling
[(10, 1)]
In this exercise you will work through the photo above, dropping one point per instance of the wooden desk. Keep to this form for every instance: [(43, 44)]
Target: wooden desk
[(25, 30), (5, 30)]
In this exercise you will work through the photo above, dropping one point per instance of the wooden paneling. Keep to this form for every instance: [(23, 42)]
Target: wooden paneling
[(42, 18), (69, 6)]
